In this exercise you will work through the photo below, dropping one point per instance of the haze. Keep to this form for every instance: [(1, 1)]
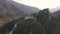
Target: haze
[(41, 4)]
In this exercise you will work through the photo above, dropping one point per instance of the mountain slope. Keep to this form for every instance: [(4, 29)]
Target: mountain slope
[(17, 9), (11, 8), (24, 8)]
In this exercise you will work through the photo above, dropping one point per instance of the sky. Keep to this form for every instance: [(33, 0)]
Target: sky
[(41, 4)]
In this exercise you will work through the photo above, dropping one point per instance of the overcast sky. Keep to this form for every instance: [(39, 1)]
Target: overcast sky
[(41, 4)]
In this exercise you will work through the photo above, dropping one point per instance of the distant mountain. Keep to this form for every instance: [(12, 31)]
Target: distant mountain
[(24, 8), (17, 9), (11, 8), (56, 14), (54, 9)]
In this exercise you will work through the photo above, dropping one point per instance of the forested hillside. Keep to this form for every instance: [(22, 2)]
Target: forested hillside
[(42, 22)]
